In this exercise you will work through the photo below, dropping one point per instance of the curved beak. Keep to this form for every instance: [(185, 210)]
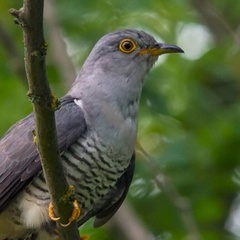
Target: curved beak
[(161, 48)]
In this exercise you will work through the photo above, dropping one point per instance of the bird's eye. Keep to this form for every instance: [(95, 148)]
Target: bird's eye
[(127, 46)]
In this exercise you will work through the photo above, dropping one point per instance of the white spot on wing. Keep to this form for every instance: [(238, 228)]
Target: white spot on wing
[(79, 102)]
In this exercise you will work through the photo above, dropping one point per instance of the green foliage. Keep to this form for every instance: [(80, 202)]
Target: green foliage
[(189, 115)]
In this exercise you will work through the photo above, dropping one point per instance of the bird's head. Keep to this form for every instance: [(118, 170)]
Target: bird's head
[(119, 62), (127, 53)]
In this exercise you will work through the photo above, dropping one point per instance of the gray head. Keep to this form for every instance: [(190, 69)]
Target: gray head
[(116, 67), (120, 59)]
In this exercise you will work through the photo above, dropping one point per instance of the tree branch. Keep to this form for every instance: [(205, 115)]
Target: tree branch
[(30, 18)]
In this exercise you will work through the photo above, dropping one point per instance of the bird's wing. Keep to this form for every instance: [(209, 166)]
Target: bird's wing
[(19, 158), (109, 205)]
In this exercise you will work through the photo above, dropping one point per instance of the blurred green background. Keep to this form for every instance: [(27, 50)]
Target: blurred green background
[(187, 181)]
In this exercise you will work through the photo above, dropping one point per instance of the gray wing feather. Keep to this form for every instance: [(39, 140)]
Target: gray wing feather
[(19, 159)]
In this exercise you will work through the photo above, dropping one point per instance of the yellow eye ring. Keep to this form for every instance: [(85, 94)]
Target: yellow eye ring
[(127, 45)]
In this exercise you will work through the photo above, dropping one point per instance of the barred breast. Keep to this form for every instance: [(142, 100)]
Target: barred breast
[(92, 168)]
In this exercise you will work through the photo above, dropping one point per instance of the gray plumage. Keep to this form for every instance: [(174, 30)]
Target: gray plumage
[(96, 129)]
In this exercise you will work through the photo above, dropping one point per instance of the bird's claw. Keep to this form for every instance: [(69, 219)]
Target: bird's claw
[(75, 214), (51, 213)]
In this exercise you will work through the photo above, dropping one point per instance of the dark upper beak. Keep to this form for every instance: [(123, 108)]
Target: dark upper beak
[(162, 48)]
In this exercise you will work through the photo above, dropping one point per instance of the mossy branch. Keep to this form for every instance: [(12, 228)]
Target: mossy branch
[(30, 18)]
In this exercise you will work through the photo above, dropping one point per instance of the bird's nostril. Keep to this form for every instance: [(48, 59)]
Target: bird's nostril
[(157, 45)]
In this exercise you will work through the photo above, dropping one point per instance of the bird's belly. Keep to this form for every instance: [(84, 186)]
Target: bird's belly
[(93, 169)]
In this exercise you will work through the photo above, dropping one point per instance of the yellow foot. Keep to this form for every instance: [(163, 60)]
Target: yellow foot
[(51, 213), (75, 214)]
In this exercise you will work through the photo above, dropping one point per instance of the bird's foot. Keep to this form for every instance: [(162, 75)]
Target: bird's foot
[(51, 213), (75, 214)]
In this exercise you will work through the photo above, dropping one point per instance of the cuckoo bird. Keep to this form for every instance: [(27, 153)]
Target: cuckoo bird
[(96, 130)]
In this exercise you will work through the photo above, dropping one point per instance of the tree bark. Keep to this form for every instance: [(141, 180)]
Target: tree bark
[(30, 18)]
